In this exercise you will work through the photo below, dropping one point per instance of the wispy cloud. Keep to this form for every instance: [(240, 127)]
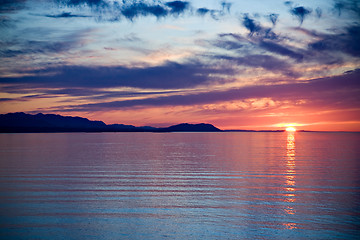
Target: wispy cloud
[(132, 9), (338, 91), (65, 15), (266, 62), (351, 6), (160, 77)]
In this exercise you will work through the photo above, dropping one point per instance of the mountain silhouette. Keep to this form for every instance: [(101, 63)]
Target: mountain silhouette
[(23, 122), (186, 127)]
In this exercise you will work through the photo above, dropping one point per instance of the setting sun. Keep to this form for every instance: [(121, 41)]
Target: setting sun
[(291, 129)]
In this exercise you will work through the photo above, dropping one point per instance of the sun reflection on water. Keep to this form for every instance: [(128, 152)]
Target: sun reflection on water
[(290, 182)]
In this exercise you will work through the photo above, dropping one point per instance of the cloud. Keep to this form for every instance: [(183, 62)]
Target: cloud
[(168, 76), (202, 11), (6, 99), (9, 6), (92, 3), (108, 10), (338, 91), (273, 17), (79, 93), (251, 25), (28, 47), (281, 49), (65, 15), (256, 30), (301, 13), (142, 9), (267, 62), (227, 44), (130, 9), (346, 42), (5, 21), (226, 6), (177, 7), (37, 47), (215, 14), (351, 6), (318, 12)]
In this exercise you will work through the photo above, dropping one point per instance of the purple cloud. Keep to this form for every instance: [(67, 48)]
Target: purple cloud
[(338, 91)]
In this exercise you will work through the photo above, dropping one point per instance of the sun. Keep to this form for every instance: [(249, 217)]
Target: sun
[(291, 129)]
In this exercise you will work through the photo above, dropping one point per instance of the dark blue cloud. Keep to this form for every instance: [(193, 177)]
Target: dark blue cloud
[(141, 9), (273, 17), (131, 9), (263, 41), (251, 25), (301, 13), (215, 14), (226, 6), (177, 7), (202, 11), (167, 76), (65, 15), (350, 6), (8, 6), (281, 49), (338, 6), (323, 51), (92, 3), (256, 30), (346, 42)]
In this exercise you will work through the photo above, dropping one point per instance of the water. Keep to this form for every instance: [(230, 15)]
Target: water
[(180, 186)]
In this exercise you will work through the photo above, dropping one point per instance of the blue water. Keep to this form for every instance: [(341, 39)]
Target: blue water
[(180, 186)]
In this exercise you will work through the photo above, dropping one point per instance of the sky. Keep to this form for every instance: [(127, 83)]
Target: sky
[(235, 64)]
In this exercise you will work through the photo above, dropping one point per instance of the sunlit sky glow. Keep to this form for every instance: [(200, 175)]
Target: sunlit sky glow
[(236, 64)]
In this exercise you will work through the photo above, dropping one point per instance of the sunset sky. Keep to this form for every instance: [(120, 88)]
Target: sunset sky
[(235, 64)]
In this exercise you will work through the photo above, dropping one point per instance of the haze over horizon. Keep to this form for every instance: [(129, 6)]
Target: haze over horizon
[(234, 64)]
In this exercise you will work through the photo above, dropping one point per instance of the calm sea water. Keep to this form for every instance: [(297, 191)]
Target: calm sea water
[(180, 186)]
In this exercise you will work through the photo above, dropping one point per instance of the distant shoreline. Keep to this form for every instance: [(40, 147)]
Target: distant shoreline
[(52, 123)]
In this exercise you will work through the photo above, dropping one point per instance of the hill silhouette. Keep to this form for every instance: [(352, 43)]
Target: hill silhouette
[(23, 122), (186, 127)]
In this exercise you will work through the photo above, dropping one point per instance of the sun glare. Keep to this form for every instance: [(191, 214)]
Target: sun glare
[(291, 129)]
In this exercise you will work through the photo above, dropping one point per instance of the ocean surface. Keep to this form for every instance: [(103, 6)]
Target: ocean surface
[(230, 185)]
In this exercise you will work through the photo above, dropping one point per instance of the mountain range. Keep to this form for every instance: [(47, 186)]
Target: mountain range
[(23, 122)]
